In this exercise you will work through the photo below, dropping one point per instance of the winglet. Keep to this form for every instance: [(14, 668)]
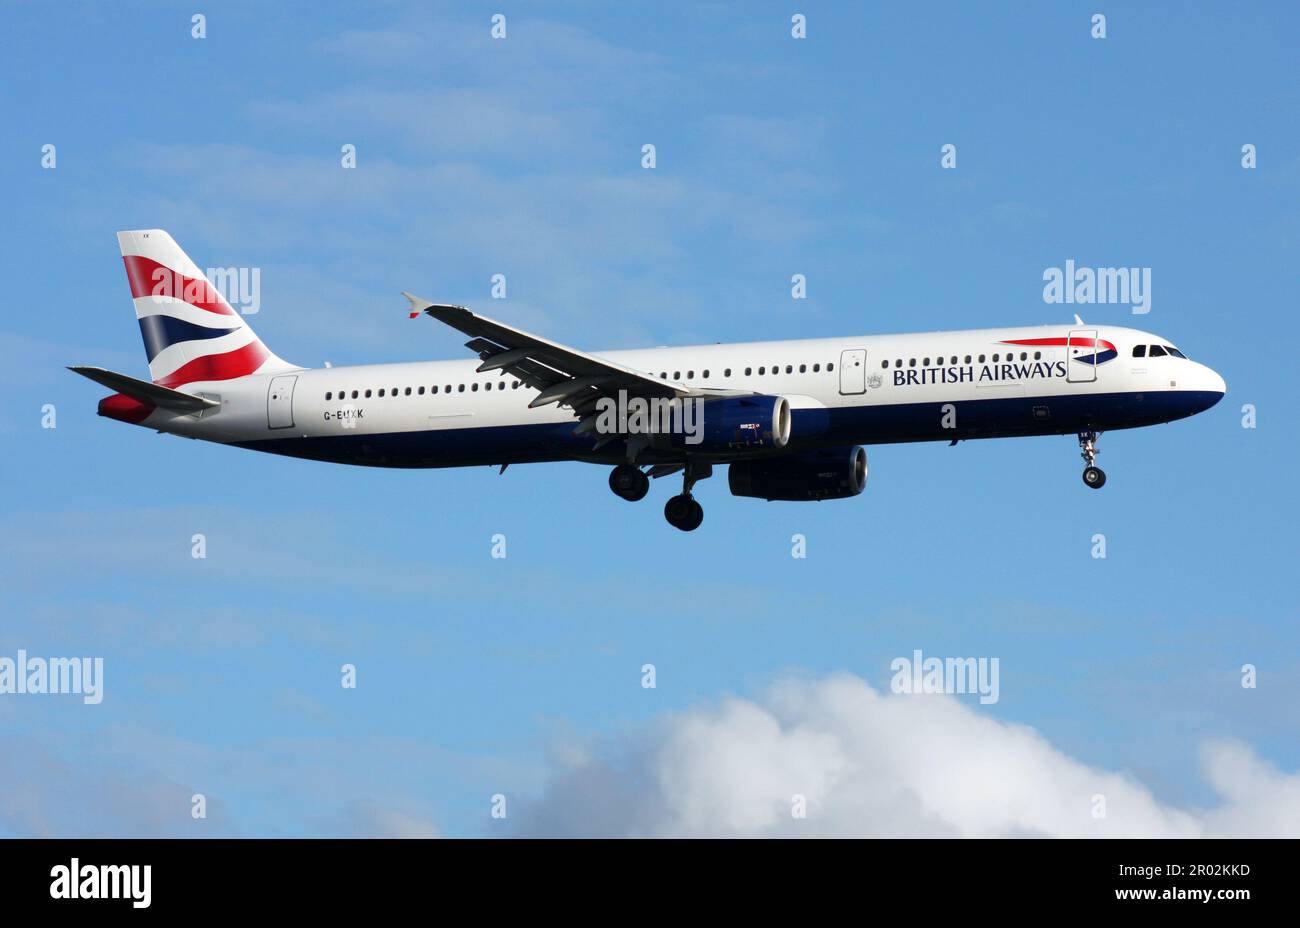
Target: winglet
[(418, 305), (1078, 321)]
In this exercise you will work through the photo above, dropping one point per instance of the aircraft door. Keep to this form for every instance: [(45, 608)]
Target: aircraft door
[(853, 371), (1081, 351), (279, 402)]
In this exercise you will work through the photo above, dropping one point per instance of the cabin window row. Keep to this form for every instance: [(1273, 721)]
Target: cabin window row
[(749, 371), (418, 391), (956, 359)]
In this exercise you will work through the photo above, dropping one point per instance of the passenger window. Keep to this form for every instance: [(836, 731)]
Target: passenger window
[(663, 375), (381, 391), (995, 359), (422, 391), (911, 362), (1024, 355), (1139, 351), (705, 375), (677, 375), (981, 359), (803, 368), (329, 396), (748, 371), (727, 372), (1038, 355), (367, 394), (817, 368), (354, 394), (690, 375), (967, 359), (460, 388), (1157, 351), (830, 367), (925, 363), (473, 388)]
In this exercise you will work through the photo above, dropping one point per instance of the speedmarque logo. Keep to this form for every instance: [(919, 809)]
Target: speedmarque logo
[(105, 881)]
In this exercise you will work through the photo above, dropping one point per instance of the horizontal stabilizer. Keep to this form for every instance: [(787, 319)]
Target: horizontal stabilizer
[(142, 390)]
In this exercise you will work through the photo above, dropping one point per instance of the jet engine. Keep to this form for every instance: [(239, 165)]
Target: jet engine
[(829, 473)]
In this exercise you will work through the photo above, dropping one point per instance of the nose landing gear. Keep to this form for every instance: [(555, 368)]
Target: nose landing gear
[(1093, 475)]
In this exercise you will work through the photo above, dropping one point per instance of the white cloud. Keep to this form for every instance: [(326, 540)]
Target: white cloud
[(881, 765), (368, 819)]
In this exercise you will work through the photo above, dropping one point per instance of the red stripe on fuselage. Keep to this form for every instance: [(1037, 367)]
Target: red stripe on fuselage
[(1062, 342), (149, 278), (238, 363)]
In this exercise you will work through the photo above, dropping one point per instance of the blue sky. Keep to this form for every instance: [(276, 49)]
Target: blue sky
[(522, 676)]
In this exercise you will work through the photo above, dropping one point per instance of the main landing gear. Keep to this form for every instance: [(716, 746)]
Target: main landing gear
[(1093, 475), (682, 511), (629, 482)]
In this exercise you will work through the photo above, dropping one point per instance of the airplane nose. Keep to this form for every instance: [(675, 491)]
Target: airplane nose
[(1208, 387), (1209, 380)]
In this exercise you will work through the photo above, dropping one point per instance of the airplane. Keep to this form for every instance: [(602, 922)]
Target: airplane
[(788, 418)]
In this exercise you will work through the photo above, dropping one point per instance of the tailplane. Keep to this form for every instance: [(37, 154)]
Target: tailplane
[(191, 333)]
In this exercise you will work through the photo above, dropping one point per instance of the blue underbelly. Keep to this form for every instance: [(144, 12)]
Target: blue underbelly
[(1002, 417)]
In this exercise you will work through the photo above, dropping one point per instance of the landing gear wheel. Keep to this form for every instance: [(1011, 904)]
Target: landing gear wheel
[(1093, 475), (684, 513), (629, 482)]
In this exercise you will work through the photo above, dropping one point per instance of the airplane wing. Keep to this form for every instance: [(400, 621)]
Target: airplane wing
[(564, 375)]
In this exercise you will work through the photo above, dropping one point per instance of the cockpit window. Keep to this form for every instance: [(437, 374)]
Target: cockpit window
[(1175, 352), (1139, 351), (1157, 351)]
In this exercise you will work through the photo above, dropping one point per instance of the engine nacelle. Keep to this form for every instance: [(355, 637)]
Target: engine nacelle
[(739, 423), (832, 473)]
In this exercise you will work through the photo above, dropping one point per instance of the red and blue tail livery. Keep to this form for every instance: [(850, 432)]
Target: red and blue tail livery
[(191, 333)]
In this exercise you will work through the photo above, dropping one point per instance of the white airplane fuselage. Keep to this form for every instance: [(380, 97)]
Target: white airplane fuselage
[(842, 391), (789, 417)]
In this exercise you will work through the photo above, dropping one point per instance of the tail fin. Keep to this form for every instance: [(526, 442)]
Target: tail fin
[(190, 332)]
